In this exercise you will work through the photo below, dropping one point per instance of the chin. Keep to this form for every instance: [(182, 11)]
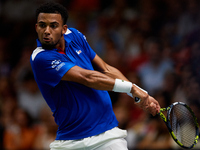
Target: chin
[(48, 46)]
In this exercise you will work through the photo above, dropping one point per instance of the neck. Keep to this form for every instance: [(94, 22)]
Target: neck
[(61, 44)]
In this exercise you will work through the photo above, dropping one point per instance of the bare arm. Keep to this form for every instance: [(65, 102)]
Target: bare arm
[(106, 69), (93, 79), (104, 79), (147, 103)]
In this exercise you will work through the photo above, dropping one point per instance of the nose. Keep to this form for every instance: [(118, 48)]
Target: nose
[(47, 30)]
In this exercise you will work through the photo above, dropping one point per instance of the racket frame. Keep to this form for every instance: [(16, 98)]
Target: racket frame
[(167, 122)]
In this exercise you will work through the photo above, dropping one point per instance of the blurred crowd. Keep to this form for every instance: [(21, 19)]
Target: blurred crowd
[(154, 43)]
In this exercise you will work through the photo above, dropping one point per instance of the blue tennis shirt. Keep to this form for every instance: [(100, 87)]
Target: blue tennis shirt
[(78, 110)]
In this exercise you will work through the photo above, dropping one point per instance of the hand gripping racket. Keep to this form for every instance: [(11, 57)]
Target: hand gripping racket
[(182, 124)]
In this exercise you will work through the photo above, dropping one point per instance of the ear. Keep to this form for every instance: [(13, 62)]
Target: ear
[(36, 27), (64, 29)]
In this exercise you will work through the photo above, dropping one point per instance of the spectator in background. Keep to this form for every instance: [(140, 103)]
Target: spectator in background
[(195, 59), (46, 130), (153, 71), (170, 85), (15, 15), (19, 135), (9, 104), (135, 54), (29, 96), (181, 92), (5, 67), (189, 20), (122, 109), (7, 88), (157, 137)]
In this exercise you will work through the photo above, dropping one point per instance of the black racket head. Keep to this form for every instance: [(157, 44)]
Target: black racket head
[(183, 125)]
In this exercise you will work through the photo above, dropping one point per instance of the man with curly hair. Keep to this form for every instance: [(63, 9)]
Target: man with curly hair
[(74, 81)]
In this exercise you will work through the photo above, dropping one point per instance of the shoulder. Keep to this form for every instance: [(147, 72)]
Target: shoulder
[(72, 31), (73, 34), (42, 55), (37, 51)]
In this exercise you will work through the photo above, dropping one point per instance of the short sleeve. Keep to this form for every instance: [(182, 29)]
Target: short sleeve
[(50, 67), (81, 40)]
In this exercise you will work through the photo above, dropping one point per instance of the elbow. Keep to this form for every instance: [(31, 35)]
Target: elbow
[(89, 80)]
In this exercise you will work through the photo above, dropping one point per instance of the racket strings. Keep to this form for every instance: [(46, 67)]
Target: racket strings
[(183, 125)]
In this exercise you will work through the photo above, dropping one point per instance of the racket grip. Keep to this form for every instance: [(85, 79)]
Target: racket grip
[(137, 100)]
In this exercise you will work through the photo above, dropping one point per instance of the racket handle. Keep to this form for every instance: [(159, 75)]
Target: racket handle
[(137, 100)]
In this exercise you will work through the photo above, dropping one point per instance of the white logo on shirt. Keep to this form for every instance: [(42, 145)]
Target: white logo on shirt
[(78, 51), (57, 64)]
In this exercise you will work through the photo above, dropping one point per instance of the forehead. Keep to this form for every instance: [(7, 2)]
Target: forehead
[(49, 17)]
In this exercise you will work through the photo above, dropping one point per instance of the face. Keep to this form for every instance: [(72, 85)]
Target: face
[(50, 30)]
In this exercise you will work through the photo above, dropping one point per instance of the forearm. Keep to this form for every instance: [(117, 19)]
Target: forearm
[(106, 69), (147, 102), (114, 73), (89, 78), (99, 81)]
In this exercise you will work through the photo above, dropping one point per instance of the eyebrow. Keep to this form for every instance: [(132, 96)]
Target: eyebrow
[(41, 22)]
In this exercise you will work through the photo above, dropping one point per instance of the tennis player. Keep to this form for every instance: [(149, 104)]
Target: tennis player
[(74, 81)]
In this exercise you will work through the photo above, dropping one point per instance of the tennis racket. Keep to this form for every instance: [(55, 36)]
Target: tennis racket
[(181, 123)]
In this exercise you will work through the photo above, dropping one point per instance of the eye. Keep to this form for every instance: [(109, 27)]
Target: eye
[(42, 25), (53, 26)]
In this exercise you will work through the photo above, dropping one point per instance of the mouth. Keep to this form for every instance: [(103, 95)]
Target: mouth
[(45, 39)]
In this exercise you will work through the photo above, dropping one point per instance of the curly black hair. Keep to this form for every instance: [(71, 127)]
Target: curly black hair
[(52, 7)]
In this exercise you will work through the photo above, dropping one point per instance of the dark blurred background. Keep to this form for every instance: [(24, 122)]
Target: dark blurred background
[(154, 43)]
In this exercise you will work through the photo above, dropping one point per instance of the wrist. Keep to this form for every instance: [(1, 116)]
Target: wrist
[(138, 95), (122, 86), (137, 87)]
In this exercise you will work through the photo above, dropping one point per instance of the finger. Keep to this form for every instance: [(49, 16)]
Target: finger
[(153, 108), (157, 108)]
